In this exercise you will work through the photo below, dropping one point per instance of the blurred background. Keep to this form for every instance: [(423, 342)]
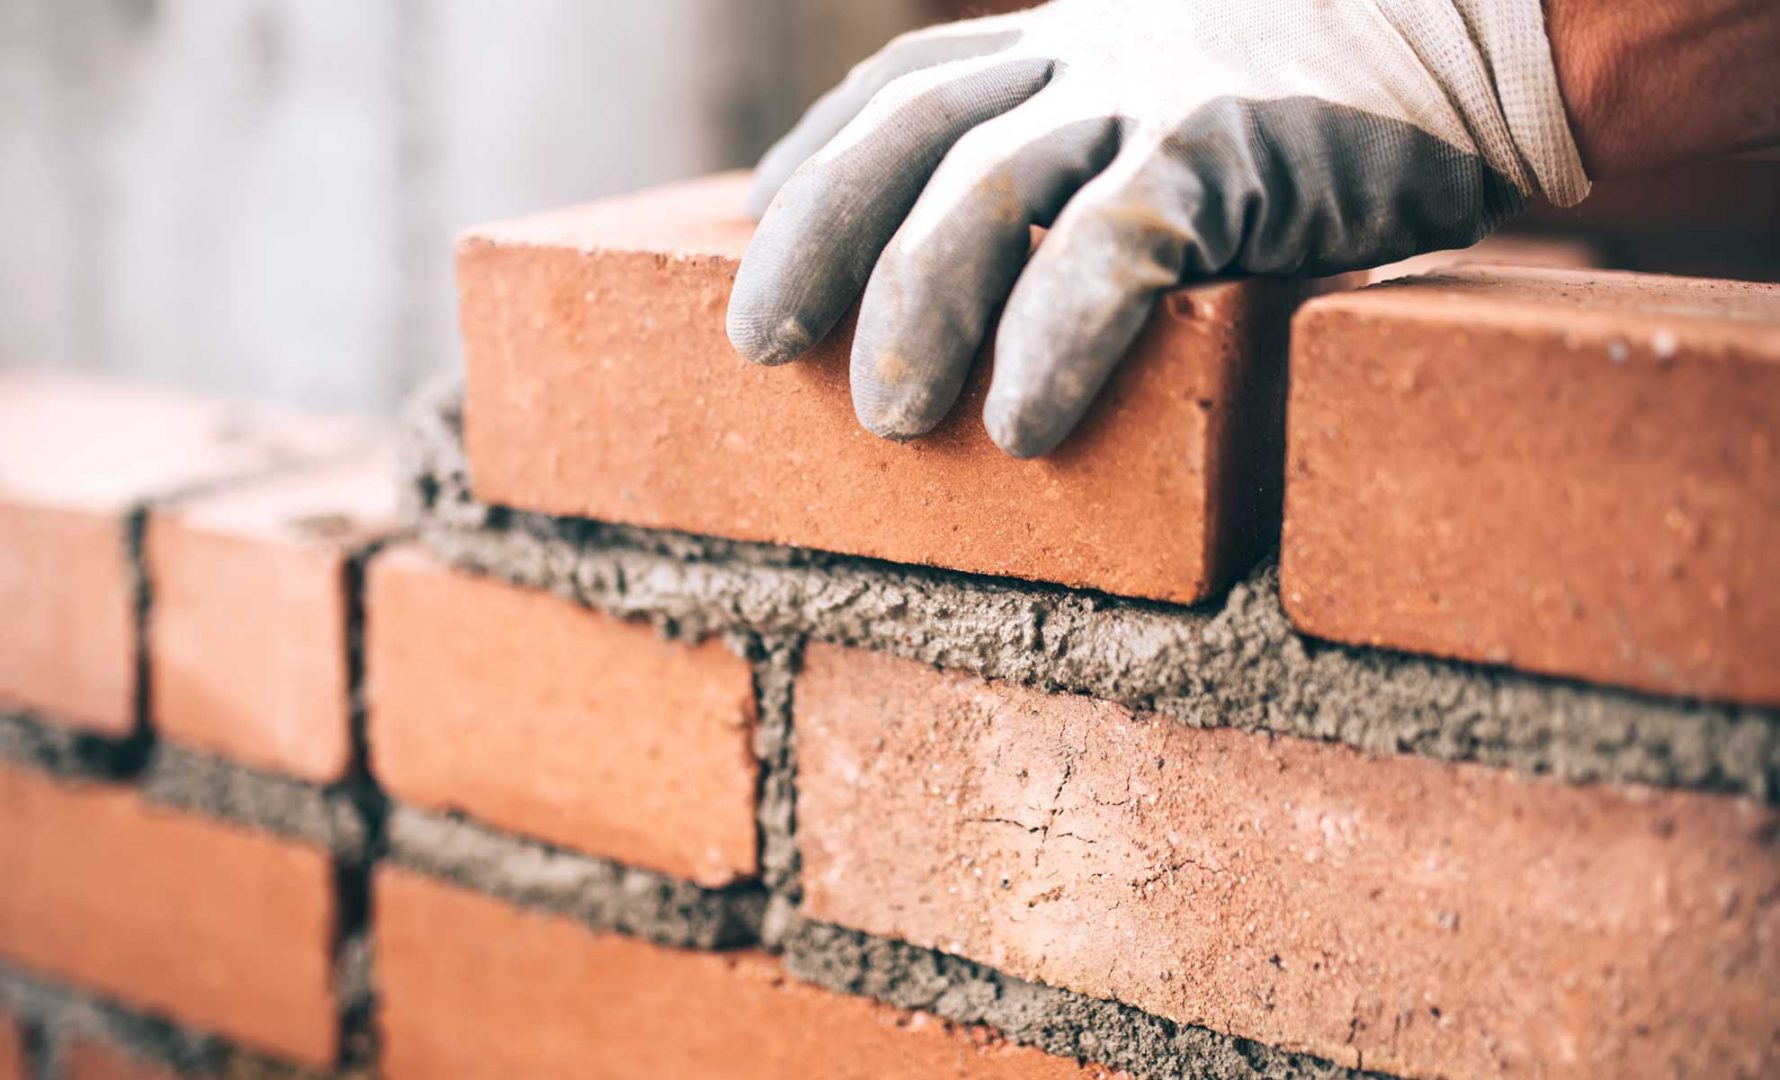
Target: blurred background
[(259, 196)]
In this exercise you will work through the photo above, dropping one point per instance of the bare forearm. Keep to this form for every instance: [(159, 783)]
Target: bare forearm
[(1650, 83)]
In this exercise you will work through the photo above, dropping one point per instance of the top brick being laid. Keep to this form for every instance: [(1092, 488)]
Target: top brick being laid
[(1575, 473), (601, 385)]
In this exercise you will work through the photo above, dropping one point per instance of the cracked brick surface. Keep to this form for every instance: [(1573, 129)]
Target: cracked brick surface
[(1392, 913)]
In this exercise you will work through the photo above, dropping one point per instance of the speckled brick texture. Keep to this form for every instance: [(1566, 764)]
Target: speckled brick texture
[(1400, 914), (1564, 472), (600, 384)]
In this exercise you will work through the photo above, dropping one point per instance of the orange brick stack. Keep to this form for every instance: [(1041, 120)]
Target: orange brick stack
[(682, 729)]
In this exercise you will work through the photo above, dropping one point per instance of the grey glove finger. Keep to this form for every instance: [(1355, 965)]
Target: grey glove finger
[(816, 245), (1286, 186), (835, 109), (1085, 294), (949, 267)]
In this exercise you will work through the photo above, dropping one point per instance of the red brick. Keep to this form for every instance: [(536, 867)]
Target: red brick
[(12, 1050), (601, 385), (470, 987), (539, 716), (1568, 473), (1401, 913), (86, 1060), (75, 457), (219, 928), (248, 636)]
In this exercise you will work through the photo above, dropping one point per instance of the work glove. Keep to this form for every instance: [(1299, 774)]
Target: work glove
[(1161, 141)]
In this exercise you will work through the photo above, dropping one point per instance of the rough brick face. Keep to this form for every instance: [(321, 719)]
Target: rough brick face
[(248, 642), (76, 457), (216, 927), (539, 716), (1572, 474), (601, 385), (1402, 914), (470, 987)]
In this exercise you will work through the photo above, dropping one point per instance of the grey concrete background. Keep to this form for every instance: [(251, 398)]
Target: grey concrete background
[(259, 196)]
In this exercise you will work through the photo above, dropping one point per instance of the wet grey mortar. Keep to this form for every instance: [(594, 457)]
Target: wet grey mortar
[(1237, 663)]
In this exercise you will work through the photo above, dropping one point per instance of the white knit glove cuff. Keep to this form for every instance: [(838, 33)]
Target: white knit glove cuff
[(1495, 60)]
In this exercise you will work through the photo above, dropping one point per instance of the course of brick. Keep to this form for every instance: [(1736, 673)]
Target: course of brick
[(222, 927), (535, 715), (555, 794), (1398, 914), (79, 463), (1573, 474), (600, 384), (266, 683)]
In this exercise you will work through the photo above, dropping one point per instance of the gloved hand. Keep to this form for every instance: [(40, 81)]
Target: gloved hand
[(1161, 140)]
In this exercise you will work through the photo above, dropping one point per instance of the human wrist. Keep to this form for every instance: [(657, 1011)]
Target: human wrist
[(1649, 83)]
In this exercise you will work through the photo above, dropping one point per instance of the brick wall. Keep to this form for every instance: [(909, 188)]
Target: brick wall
[(645, 755)]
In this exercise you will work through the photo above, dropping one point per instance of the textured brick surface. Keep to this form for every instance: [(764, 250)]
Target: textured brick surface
[(601, 385), (1394, 913), (248, 642), (218, 928), (76, 457), (86, 1060), (473, 988), (1568, 473), (541, 717)]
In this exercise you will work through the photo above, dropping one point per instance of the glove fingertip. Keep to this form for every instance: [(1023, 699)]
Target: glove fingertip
[(767, 344), (1020, 431)]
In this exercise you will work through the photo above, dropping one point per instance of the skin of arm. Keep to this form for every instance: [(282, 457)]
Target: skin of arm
[(1650, 83)]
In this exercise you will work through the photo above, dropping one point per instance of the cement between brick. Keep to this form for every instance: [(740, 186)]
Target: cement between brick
[(1056, 1021), (1238, 664), (283, 806), (600, 894)]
